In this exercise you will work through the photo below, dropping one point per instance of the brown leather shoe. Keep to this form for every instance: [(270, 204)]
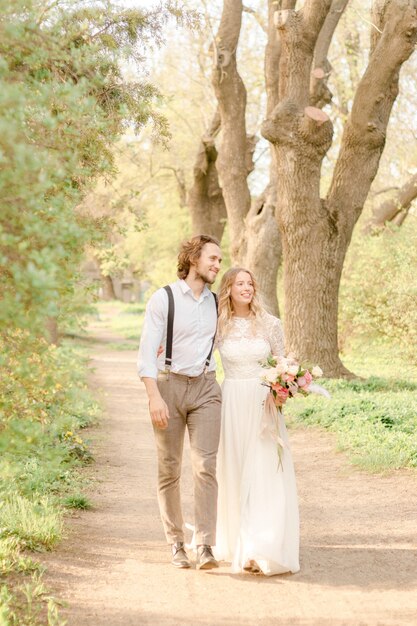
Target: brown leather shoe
[(252, 567), (179, 556), (205, 558)]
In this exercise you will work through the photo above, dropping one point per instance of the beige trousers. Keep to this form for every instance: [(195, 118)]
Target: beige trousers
[(193, 403)]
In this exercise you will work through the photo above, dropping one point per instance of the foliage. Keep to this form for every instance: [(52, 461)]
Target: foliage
[(373, 417), (65, 100), (379, 288), (77, 501), (37, 523), (44, 403), (63, 103)]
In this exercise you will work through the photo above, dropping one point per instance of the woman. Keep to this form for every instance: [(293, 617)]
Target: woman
[(258, 524)]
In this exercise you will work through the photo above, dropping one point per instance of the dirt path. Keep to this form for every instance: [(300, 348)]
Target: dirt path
[(358, 537)]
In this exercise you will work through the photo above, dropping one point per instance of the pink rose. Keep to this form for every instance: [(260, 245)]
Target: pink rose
[(289, 378), (304, 381), (282, 394)]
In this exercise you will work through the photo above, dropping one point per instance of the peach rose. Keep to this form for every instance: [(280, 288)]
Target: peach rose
[(282, 394)]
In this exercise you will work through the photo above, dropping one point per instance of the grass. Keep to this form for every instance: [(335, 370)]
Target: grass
[(45, 406), (374, 420), (122, 319), (77, 501), (374, 417), (37, 523), (28, 605)]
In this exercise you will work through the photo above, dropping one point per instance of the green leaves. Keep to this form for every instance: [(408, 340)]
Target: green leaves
[(63, 105)]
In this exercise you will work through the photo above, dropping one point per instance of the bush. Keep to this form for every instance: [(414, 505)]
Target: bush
[(379, 289)]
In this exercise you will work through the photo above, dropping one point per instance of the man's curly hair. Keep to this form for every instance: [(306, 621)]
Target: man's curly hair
[(190, 252)]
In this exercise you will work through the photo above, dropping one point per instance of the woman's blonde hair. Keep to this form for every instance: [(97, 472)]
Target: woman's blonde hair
[(225, 301)]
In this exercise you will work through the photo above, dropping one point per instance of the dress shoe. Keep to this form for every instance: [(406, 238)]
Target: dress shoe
[(252, 567), (205, 558), (179, 556)]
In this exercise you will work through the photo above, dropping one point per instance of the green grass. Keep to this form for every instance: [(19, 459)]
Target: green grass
[(45, 407), (77, 501), (122, 319), (375, 422), (37, 523), (374, 417), (28, 605)]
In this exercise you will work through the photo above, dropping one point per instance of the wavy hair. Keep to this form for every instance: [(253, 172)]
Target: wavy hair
[(190, 252), (256, 310)]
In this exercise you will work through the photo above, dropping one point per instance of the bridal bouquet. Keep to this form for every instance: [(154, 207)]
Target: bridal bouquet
[(286, 379)]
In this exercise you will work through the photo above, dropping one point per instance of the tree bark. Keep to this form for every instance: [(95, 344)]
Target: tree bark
[(264, 250), (396, 208), (205, 199), (316, 232), (319, 90), (253, 231), (233, 163), (108, 288)]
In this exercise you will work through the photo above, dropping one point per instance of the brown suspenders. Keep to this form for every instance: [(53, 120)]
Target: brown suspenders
[(170, 326)]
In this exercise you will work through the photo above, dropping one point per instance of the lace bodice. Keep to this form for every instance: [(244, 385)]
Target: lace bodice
[(242, 348)]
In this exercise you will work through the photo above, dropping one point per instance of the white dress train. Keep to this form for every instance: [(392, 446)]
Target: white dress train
[(257, 506)]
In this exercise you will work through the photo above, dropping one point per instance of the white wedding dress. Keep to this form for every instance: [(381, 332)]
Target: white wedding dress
[(257, 505)]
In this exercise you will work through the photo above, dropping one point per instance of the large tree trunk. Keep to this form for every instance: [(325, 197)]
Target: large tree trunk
[(317, 232), (254, 234), (233, 163), (205, 199), (263, 252)]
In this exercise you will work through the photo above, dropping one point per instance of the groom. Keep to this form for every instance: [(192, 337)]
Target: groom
[(183, 393)]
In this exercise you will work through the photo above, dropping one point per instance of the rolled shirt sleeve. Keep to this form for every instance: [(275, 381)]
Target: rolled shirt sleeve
[(152, 334)]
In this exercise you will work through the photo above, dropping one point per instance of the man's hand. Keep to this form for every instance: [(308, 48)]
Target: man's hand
[(159, 412), (157, 406)]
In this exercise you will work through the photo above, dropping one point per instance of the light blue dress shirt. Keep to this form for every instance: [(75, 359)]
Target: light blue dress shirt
[(194, 327)]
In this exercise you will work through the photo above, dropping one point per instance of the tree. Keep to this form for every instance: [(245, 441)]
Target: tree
[(254, 236), (396, 208), (64, 103), (315, 231)]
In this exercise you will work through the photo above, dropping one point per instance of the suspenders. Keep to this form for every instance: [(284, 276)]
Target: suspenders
[(170, 326)]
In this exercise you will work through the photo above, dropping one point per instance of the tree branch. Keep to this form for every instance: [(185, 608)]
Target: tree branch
[(320, 94), (299, 31), (205, 199), (257, 17), (364, 134), (389, 210)]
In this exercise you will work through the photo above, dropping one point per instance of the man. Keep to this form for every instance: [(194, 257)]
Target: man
[(183, 393)]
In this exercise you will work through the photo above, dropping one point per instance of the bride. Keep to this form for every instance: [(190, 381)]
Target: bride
[(258, 523)]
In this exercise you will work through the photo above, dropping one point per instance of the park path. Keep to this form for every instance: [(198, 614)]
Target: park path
[(358, 535)]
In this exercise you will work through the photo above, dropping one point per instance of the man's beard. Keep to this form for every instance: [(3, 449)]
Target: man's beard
[(205, 277)]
